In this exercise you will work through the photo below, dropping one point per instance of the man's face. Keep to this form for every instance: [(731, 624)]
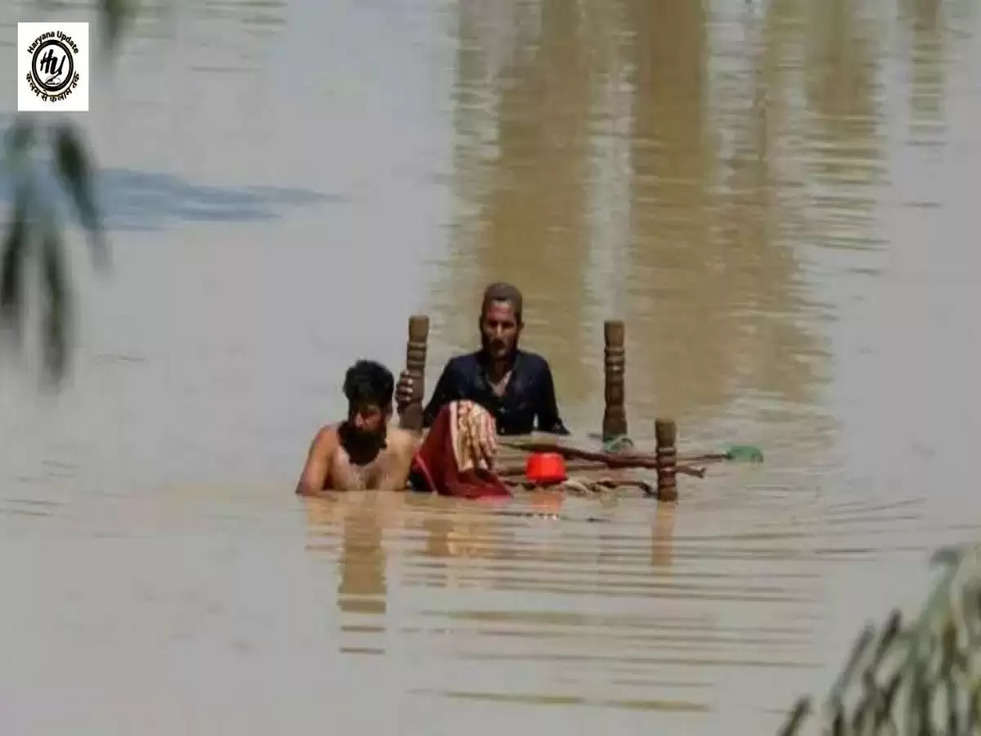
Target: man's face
[(499, 330), (369, 420)]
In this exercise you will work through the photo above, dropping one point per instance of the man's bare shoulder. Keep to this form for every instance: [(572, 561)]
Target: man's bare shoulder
[(326, 437), (316, 470), (402, 441)]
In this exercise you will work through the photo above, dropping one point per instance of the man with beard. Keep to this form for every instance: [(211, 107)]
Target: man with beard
[(361, 453), (513, 385)]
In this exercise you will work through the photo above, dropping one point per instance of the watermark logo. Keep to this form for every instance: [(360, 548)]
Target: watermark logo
[(53, 67)]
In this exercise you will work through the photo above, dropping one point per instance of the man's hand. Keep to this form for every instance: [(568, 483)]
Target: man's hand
[(404, 390), (486, 431), (478, 427)]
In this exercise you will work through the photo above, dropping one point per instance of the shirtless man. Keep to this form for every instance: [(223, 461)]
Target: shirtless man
[(362, 453)]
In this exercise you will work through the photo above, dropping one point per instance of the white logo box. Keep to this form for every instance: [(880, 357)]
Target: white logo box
[(53, 67)]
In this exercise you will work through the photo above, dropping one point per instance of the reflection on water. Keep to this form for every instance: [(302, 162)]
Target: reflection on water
[(927, 57), (662, 536), (362, 586), (777, 197), (696, 249), (529, 196)]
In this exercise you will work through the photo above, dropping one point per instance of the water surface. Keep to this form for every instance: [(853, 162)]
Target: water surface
[(778, 198)]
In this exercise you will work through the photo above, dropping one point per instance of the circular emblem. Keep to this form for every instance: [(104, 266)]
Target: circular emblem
[(52, 66)]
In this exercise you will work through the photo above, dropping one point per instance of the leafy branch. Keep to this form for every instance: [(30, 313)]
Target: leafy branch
[(32, 152), (918, 679)]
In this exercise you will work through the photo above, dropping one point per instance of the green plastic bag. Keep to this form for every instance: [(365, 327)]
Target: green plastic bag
[(744, 454), (619, 443)]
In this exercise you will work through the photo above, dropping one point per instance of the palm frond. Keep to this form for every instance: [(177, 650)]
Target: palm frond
[(75, 167)]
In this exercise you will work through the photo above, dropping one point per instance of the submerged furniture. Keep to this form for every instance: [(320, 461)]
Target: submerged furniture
[(665, 461)]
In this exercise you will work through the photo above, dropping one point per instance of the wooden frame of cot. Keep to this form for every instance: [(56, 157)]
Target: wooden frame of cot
[(665, 461)]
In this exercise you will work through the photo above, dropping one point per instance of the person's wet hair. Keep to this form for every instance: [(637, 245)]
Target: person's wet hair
[(367, 383), (502, 292)]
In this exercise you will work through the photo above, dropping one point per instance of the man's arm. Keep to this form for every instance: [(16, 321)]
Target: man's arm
[(403, 445), (316, 472), (548, 410), (446, 391)]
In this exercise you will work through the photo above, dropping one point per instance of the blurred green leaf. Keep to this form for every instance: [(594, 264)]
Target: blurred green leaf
[(20, 136), (75, 168), (55, 319), (12, 272), (947, 556), (796, 717), (114, 15)]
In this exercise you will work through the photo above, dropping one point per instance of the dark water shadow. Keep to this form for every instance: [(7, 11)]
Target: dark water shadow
[(142, 200), (138, 200)]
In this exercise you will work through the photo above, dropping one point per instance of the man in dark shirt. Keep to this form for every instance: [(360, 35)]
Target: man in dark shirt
[(513, 385)]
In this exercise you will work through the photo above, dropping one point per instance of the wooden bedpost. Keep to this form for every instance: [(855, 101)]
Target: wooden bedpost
[(667, 459), (614, 416), (410, 415)]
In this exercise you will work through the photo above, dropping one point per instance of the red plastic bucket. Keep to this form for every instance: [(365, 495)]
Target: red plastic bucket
[(545, 468)]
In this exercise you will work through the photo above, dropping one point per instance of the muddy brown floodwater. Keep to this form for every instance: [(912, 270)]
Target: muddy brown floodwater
[(779, 198)]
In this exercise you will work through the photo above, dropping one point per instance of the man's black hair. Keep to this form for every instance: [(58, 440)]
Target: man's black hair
[(368, 382), (502, 292)]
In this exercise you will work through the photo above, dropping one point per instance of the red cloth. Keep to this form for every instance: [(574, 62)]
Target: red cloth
[(436, 462)]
